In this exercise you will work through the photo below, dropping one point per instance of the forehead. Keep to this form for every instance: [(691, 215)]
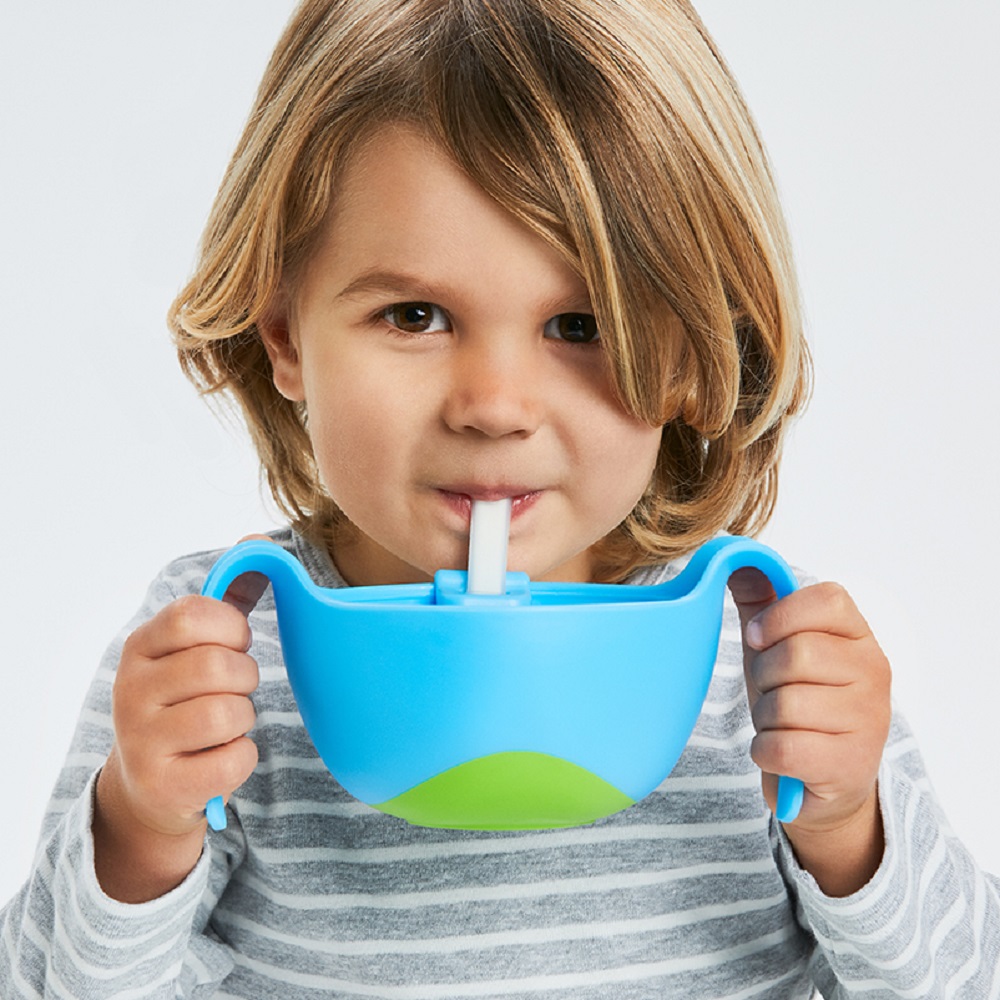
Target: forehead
[(402, 204), (398, 179)]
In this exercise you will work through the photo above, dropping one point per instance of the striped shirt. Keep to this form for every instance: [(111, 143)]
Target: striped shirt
[(693, 892)]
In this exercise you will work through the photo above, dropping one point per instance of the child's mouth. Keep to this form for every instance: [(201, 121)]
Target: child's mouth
[(460, 499)]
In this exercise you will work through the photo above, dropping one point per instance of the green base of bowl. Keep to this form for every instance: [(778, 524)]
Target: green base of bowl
[(517, 790)]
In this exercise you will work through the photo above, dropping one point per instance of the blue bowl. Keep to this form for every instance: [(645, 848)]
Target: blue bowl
[(551, 705)]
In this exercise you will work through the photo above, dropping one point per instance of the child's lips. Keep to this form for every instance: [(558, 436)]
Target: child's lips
[(460, 498)]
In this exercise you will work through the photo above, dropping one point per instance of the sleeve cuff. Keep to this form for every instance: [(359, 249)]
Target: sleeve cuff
[(110, 917), (881, 904)]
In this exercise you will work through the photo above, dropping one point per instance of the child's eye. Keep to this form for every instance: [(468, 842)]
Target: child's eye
[(416, 317), (574, 328)]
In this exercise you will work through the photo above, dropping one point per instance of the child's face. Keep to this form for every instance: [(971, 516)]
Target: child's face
[(433, 338)]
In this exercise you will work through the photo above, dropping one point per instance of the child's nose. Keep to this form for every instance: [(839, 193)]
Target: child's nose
[(495, 390)]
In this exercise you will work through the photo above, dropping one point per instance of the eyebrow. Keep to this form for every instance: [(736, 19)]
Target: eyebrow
[(388, 282), (378, 281)]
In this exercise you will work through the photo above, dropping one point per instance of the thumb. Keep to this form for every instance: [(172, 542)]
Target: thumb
[(752, 591), (248, 588)]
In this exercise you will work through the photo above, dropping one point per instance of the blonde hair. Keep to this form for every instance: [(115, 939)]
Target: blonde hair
[(613, 129)]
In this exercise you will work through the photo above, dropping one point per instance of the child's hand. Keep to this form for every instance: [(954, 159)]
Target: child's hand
[(181, 711), (818, 687)]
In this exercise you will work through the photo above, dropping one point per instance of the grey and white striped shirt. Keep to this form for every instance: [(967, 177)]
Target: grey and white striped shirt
[(693, 892)]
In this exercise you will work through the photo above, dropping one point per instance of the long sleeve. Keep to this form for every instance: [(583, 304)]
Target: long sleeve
[(694, 891), (61, 936), (928, 923)]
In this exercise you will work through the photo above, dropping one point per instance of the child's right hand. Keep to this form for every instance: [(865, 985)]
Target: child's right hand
[(181, 709)]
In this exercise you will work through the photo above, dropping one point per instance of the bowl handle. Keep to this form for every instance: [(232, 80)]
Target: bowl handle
[(253, 556), (256, 556), (725, 556)]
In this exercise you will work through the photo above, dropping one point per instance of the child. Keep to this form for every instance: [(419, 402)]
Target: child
[(471, 250)]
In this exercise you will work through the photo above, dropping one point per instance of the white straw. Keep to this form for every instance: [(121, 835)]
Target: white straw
[(488, 546)]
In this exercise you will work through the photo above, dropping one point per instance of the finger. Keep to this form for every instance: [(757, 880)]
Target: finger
[(248, 588), (245, 591), (809, 707), (197, 777), (178, 677), (825, 763), (823, 607), (190, 621), (752, 591), (804, 658), (204, 670), (202, 723)]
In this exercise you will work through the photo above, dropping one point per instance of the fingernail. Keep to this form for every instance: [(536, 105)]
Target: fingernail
[(755, 633)]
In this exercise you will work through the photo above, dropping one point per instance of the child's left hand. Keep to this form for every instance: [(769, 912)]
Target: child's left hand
[(818, 686)]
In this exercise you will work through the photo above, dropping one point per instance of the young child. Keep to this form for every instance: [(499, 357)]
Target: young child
[(469, 251)]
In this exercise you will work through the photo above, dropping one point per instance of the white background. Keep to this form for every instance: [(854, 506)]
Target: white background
[(116, 121)]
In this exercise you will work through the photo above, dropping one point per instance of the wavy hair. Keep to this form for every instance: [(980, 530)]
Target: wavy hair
[(614, 130)]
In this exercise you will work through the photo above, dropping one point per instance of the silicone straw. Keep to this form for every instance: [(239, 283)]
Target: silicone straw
[(488, 536)]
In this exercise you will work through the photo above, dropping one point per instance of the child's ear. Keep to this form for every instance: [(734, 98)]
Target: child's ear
[(279, 342)]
